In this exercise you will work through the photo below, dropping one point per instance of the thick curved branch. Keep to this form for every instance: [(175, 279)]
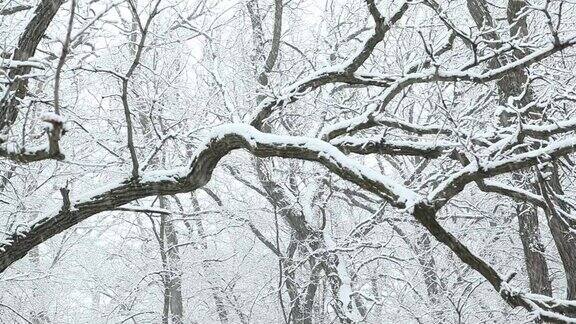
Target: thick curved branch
[(232, 137), (223, 140), (235, 136)]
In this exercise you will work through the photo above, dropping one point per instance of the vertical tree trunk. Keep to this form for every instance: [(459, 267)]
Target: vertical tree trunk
[(512, 85), (172, 268), (38, 316), (173, 309), (305, 234), (301, 311), (216, 291), (563, 233), (536, 265), (428, 263)]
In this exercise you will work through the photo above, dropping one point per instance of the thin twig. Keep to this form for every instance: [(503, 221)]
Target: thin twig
[(65, 49)]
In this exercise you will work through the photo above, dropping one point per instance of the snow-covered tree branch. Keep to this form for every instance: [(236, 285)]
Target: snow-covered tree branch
[(275, 161)]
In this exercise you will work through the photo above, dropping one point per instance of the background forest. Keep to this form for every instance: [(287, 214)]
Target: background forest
[(287, 161)]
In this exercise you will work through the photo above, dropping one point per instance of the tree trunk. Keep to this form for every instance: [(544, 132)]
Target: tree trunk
[(513, 85), (27, 44), (566, 245), (172, 269), (534, 258), (216, 291), (38, 316)]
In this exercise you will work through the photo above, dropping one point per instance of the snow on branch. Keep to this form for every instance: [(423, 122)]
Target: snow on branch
[(13, 64), (380, 145), (54, 128), (370, 118), (222, 141), (478, 170)]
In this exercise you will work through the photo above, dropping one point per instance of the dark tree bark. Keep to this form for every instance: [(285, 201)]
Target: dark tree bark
[(27, 44), (534, 256)]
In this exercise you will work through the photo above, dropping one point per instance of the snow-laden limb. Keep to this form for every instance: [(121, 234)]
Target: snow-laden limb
[(379, 145), (235, 136), (512, 192), (556, 127), (539, 311), (227, 138), (222, 141), (13, 64), (54, 128), (370, 119), (15, 153), (552, 305), (541, 307), (478, 170), (504, 139), (438, 74), (105, 198), (424, 211)]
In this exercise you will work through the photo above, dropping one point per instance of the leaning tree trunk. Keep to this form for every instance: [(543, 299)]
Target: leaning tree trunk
[(423, 251)]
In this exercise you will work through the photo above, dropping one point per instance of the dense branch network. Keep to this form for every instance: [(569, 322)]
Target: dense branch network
[(332, 149)]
